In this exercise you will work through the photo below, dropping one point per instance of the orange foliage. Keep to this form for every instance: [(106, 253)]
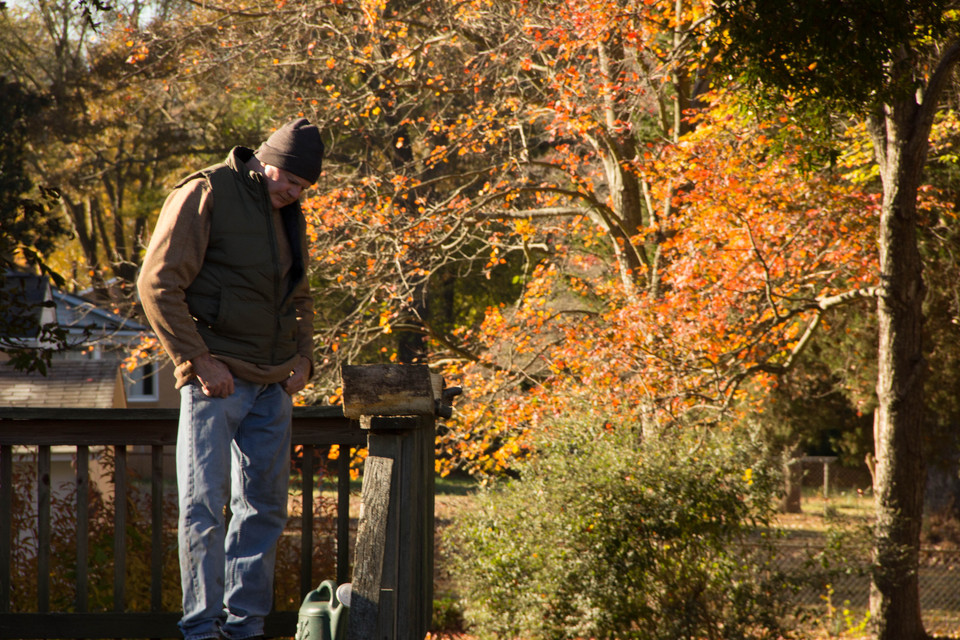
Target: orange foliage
[(754, 248), (662, 244)]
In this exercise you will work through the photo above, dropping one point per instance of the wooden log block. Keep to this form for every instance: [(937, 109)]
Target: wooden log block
[(388, 390)]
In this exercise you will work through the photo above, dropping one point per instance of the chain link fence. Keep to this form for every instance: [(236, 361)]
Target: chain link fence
[(826, 552)]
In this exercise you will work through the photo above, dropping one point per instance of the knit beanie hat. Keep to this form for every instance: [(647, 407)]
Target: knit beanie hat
[(295, 147)]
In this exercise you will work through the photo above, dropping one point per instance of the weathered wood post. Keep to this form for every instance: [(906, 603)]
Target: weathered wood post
[(392, 595)]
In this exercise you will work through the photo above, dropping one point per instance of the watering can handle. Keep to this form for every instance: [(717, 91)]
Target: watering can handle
[(330, 587)]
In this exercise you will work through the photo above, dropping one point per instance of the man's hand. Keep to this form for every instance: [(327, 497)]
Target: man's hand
[(214, 376), (298, 377)]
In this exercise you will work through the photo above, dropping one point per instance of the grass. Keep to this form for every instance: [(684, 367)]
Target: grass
[(455, 485), (819, 514)]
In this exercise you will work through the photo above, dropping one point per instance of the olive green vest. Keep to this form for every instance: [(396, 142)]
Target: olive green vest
[(241, 305)]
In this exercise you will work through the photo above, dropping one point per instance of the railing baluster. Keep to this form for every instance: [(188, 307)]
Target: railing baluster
[(6, 524), (43, 529), (83, 525), (119, 527), (306, 521), (156, 529), (343, 514), (110, 430)]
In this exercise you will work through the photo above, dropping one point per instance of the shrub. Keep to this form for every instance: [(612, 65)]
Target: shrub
[(603, 536)]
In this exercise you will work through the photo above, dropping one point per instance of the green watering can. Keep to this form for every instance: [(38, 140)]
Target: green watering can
[(322, 615)]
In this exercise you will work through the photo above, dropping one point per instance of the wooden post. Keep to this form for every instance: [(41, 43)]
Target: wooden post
[(392, 595), (826, 461)]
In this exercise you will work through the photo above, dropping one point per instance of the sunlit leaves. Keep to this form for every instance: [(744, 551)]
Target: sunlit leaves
[(754, 244), (528, 187)]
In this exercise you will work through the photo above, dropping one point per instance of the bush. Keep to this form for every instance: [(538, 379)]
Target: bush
[(606, 537)]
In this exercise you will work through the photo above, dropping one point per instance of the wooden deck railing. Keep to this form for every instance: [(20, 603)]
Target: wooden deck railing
[(122, 428)]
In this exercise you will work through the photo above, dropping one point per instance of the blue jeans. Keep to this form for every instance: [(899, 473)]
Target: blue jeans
[(237, 449)]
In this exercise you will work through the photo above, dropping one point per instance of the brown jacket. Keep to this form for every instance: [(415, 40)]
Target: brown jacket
[(174, 258)]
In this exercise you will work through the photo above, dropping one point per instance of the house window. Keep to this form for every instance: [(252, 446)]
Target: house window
[(143, 384)]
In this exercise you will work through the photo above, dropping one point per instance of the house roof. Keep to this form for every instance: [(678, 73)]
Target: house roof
[(28, 301), (68, 383), (74, 311)]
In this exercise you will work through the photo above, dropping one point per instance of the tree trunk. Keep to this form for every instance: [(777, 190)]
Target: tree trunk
[(898, 424), (792, 501), (901, 133)]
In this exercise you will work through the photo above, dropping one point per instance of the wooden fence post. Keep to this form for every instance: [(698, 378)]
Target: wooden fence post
[(392, 596)]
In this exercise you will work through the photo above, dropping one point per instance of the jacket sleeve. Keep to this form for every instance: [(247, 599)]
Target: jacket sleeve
[(173, 259)]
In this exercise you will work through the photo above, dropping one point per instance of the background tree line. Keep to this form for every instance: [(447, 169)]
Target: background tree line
[(682, 212)]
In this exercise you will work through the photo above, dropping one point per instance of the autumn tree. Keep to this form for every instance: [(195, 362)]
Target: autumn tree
[(521, 141), (523, 185), (519, 189), (891, 72), (115, 131)]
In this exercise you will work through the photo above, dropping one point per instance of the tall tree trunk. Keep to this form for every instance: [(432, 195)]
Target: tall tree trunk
[(901, 134), (79, 215), (898, 425)]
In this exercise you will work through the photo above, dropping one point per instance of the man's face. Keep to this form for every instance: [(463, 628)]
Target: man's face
[(284, 187)]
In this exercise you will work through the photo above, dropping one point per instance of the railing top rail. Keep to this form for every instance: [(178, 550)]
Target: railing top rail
[(320, 425), (72, 413)]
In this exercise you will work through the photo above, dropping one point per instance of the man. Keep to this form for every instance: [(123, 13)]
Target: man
[(224, 285)]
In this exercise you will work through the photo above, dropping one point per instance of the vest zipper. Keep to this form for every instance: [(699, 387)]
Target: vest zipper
[(275, 255), (268, 208)]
